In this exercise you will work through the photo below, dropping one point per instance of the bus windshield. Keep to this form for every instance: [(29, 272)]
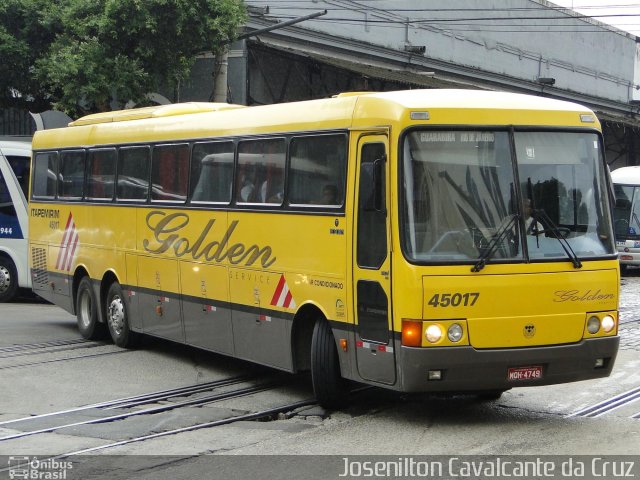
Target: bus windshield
[(468, 198), (626, 217)]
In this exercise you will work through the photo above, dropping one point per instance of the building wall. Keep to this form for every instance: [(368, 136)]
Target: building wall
[(586, 58)]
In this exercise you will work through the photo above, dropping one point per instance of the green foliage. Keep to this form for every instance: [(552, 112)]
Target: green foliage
[(78, 55)]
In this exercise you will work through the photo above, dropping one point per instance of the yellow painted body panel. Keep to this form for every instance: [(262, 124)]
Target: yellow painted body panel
[(185, 252), (206, 281), (554, 303), (104, 235)]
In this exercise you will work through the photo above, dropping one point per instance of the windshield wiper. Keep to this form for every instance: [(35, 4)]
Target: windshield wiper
[(506, 225), (553, 228)]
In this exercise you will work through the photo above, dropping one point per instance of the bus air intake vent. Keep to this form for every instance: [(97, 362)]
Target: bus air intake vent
[(39, 272)]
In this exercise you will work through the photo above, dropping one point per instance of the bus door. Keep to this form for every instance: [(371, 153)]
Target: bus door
[(371, 272)]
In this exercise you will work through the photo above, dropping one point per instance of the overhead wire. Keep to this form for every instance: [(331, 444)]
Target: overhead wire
[(467, 22)]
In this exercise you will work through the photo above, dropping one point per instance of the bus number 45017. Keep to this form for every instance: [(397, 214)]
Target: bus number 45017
[(454, 299)]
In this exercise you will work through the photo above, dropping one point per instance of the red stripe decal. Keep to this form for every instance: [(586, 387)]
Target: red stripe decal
[(287, 300), (276, 295), (62, 255), (72, 250)]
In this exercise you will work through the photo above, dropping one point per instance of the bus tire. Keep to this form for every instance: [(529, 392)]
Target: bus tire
[(8, 280), (330, 389), (117, 318), (87, 312)]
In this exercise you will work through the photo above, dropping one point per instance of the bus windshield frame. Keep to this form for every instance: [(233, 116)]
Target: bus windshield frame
[(459, 187)]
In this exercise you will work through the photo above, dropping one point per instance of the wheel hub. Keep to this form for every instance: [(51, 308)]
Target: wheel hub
[(5, 279), (116, 315)]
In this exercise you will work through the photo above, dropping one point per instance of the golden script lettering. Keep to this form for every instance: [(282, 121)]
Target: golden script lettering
[(166, 232)]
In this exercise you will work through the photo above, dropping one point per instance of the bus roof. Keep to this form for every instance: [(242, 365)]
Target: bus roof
[(626, 175), (349, 110), (15, 146)]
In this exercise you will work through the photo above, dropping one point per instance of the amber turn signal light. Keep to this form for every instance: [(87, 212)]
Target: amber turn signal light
[(411, 333)]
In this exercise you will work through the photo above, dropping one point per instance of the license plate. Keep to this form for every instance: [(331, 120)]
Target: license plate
[(524, 373)]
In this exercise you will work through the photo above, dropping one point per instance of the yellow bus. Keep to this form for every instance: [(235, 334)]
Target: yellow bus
[(423, 240)]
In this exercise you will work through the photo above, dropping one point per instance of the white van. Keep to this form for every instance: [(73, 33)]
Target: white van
[(15, 158)]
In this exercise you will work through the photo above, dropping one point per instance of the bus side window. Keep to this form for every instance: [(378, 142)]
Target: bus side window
[(101, 173), (261, 171), (318, 170), (71, 177), (133, 173), (169, 172), (212, 172), (45, 175)]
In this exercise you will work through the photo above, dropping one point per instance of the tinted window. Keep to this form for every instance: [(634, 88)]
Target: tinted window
[(170, 172), (133, 173), (101, 173), (71, 177), (261, 171), (21, 167), (317, 170), (212, 172), (44, 178)]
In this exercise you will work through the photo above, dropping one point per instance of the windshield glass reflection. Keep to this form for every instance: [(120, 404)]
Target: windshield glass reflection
[(460, 192)]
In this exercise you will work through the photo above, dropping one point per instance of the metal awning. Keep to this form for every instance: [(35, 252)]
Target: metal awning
[(409, 74), (414, 75)]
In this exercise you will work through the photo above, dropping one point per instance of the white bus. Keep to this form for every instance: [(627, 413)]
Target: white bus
[(15, 157), (626, 183)]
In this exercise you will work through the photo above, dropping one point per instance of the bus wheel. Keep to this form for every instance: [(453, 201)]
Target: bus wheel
[(330, 389), (87, 312), (118, 318), (8, 279)]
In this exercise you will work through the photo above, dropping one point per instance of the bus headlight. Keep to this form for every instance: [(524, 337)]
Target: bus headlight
[(608, 323), (593, 325), (433, 333), (454, 333)]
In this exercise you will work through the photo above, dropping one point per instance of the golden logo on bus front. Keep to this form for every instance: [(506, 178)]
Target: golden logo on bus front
[(168, 234)]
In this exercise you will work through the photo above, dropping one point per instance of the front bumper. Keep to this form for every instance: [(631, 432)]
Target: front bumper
[(469, 369)]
